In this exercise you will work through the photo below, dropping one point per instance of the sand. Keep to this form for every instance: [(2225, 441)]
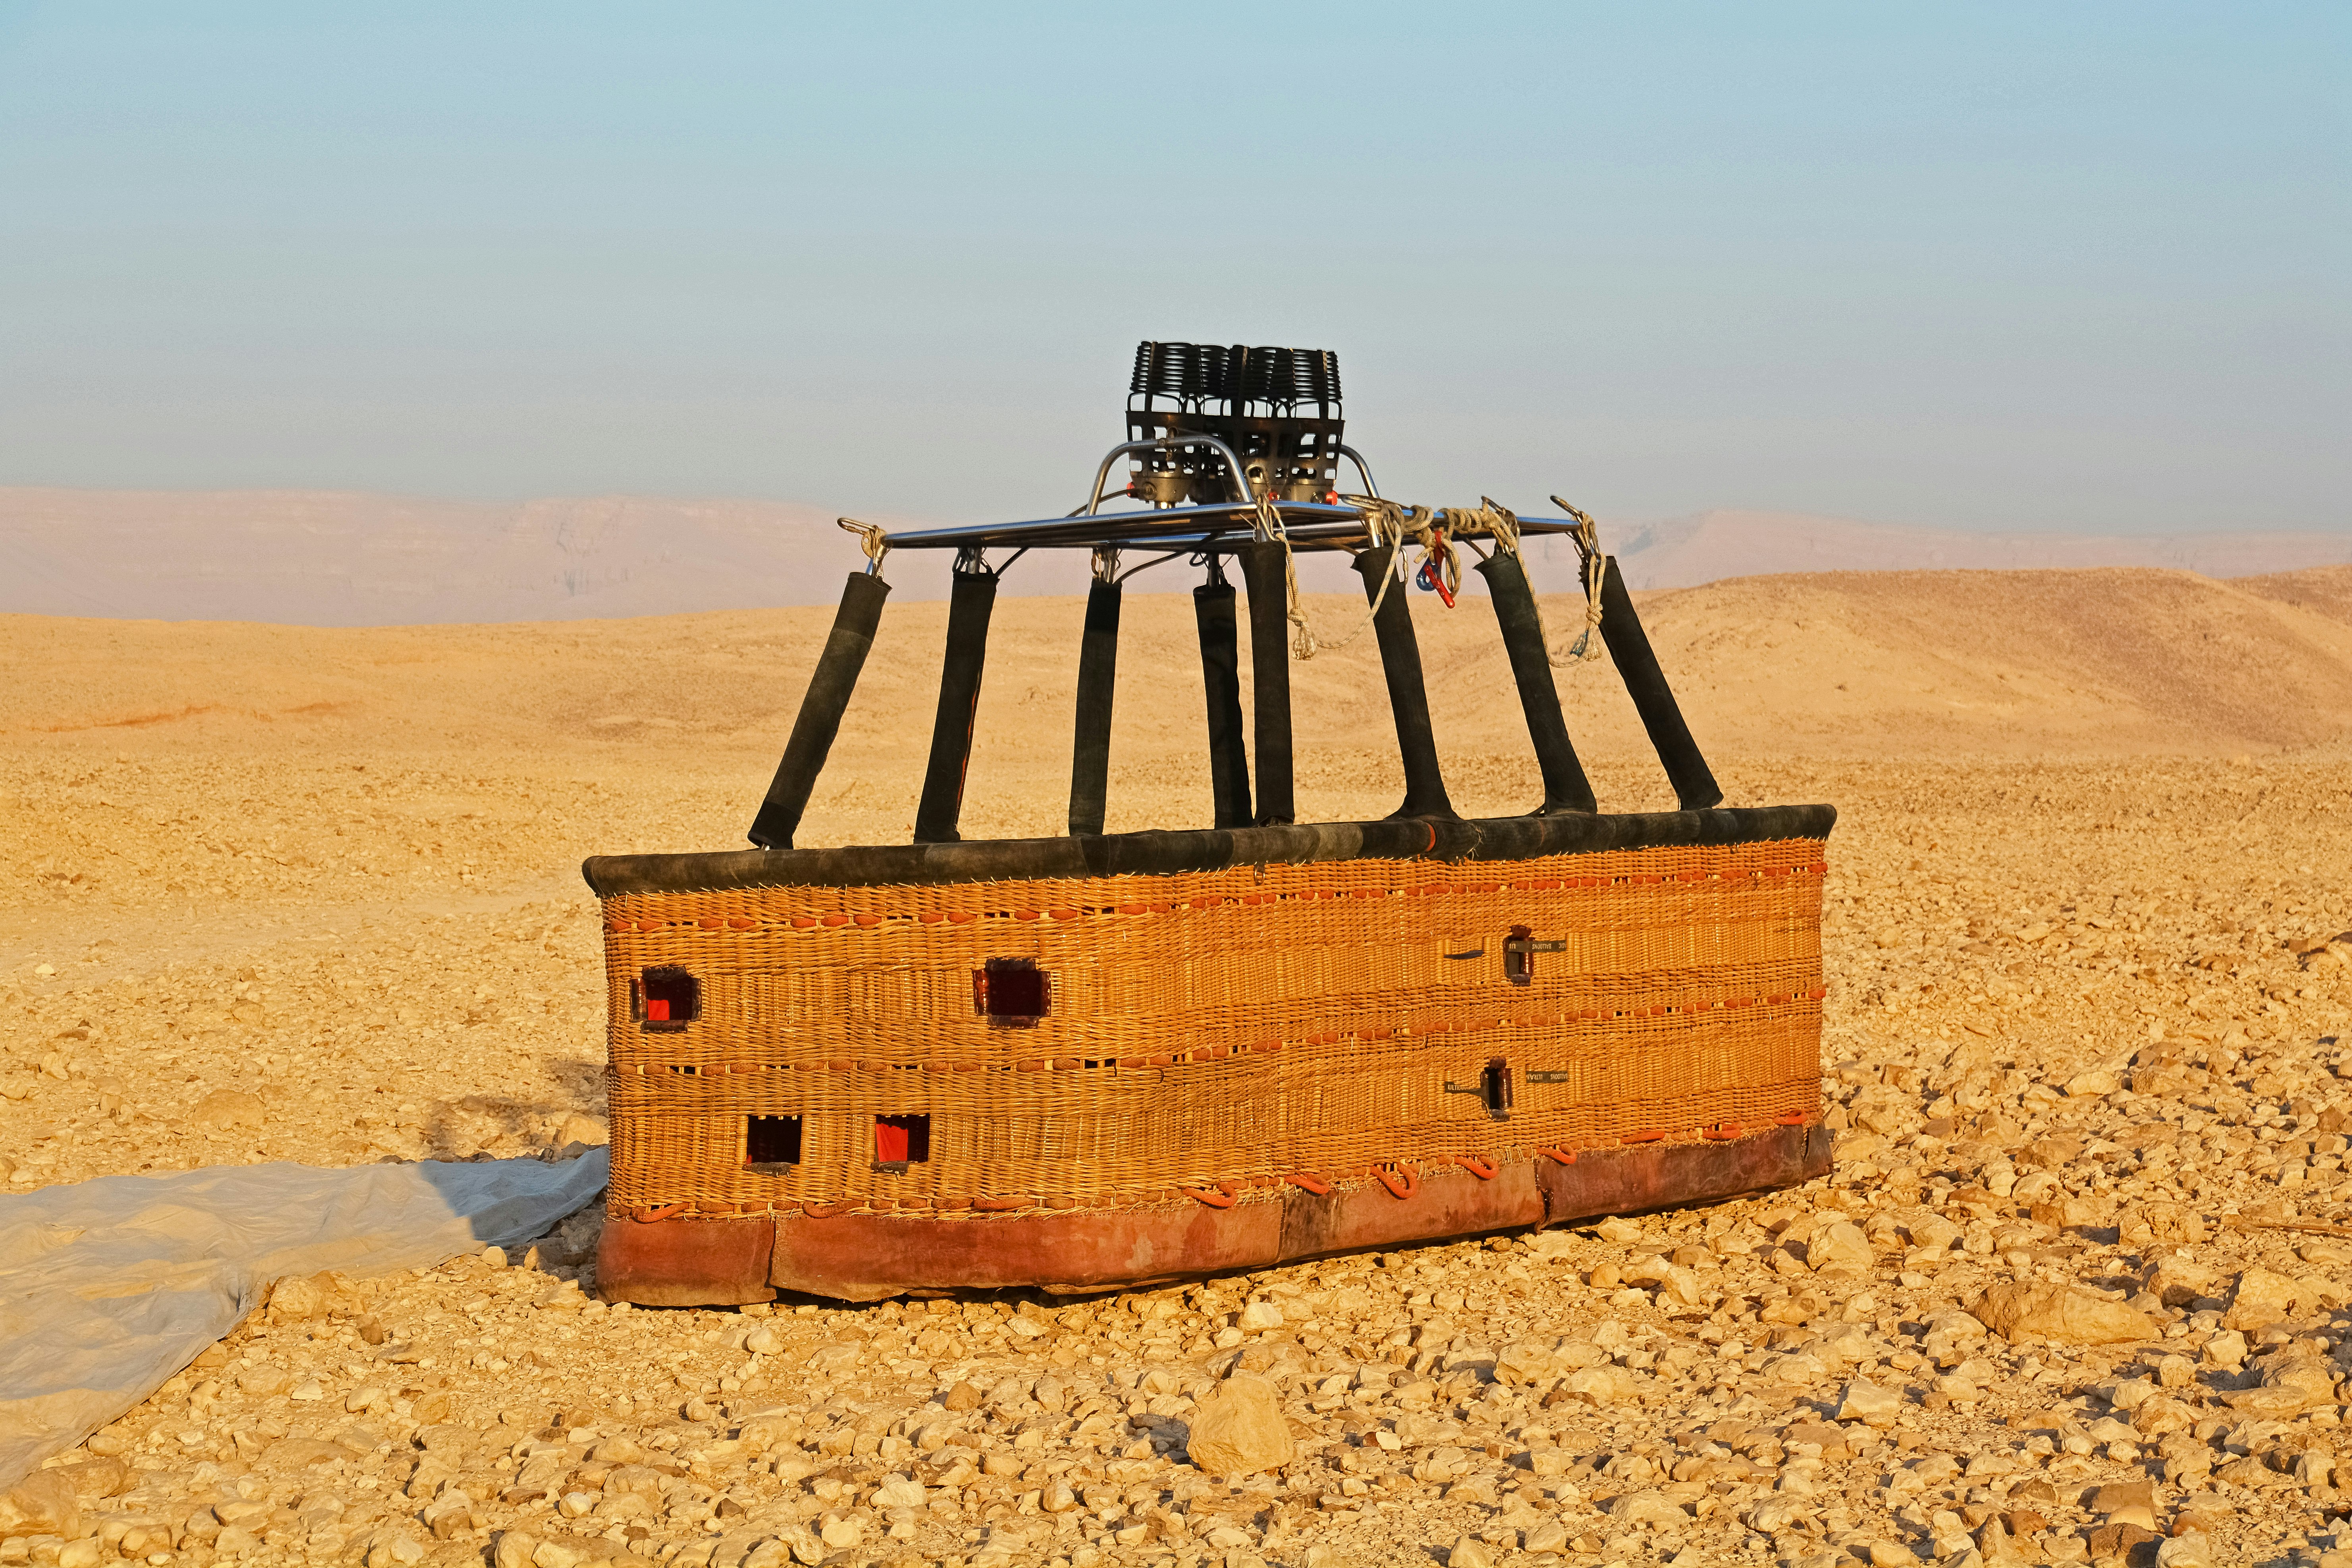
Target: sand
[(282, 893)]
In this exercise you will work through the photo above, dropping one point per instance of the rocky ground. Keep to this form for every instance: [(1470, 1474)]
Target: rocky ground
[(2076, 1291)]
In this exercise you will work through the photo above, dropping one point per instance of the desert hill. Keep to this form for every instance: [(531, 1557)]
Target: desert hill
[(1843, 664), (2324, 590), (1684, 551)]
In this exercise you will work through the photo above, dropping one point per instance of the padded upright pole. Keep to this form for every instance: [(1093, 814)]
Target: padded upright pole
[(1424, 785), (1629, 648), (972, 596), (1213, 610), (1097, 666), (1269, 608), (837, 668), (1565, 786)]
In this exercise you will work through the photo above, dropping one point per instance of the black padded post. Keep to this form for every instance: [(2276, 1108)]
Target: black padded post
[(1213, 610), (1629, 648), (1565, 786), (1097, 666), (1270, 610), (972, 596), (828, 693), (1424, 785)]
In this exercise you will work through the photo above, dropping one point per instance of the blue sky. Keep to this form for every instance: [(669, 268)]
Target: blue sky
[(1996, 266)]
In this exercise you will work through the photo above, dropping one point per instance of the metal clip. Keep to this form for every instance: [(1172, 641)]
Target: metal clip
[(1519, 954)]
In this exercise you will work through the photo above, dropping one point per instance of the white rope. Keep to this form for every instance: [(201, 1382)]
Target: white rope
[(1501, 522), (1379, 516), (1587, 648)]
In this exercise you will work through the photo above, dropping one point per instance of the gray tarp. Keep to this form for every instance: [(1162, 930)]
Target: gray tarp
[(109, 1287)]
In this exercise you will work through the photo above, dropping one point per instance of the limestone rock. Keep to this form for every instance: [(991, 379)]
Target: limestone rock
[(2068, 1212), (761, 1430), (1259, 1316), (43, 1503), (2124, 1502), (2177, 1282), (2161, 1418), (1239, 1429), (225, 1109), (97, 1476), (1544, 1540), (1523, 1362), (1646, 1508), (1676, 1283), (1600, 1385), (2291, 1384), (899, 1491), (2191, 1550), (1469, 1551), (1840, 1246), (578, 1128), (300, 1299), (1995, 1544), (2062, 1314), (2261, 1298), (1866, 1401)]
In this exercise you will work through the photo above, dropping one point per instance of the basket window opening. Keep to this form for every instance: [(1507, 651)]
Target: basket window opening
[(1495, 1087), (1012, 990), (666, 996), (772, 1141), (901, 1141)]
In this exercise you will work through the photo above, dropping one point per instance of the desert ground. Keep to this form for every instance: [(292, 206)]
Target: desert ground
[(2075, 1293)]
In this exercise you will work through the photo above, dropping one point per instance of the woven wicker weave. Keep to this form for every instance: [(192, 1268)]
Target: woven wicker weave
[(1208, 1031)]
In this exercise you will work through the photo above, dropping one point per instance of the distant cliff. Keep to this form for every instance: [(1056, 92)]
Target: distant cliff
[(333, 558)]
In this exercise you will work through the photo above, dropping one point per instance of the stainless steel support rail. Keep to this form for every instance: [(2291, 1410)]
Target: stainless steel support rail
[(1309, 525)]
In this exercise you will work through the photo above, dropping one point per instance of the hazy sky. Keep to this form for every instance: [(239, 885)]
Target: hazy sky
[(2014, 265)]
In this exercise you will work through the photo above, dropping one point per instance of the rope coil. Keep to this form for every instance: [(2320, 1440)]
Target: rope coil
[(1586, 648), (1379, 517)]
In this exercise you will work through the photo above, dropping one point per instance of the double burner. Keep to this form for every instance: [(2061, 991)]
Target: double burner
[(1278, 409)]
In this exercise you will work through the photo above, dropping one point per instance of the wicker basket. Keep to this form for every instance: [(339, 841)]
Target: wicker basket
[(950, 1049)]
